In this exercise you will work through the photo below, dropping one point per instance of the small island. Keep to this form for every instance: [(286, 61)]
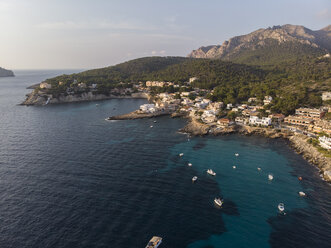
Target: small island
[(6, 73)]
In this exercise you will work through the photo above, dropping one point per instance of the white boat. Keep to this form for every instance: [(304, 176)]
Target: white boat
[(154, 242), (270, 177), (181, 154), (194, 179), (281, 207), (301, 193), (211, 172), (236, 154), (218, 202), (154, 121), (189, 164), (258, 168), (151, 126), (234, 167), (48, 99)]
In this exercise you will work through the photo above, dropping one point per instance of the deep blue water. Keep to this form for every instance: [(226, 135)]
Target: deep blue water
[(68, 178)]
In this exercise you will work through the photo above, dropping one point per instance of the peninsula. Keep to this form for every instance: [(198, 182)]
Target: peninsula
[(6, 73)]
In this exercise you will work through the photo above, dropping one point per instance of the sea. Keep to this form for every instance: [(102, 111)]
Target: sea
[(69, 178)]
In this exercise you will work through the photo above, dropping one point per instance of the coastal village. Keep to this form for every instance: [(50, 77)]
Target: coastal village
[(311, 127)]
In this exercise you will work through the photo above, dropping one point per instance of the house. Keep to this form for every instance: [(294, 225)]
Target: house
[(224, 122), (298, 120), (321, 126), (148, 108), (45, 85), (229, 106), (267, 100), (325, 142), (82, 85), (252, 99), (265, 121), (241, 120), (155, 84), (192, 79), (326, 96), (310, 112), (277, 117)]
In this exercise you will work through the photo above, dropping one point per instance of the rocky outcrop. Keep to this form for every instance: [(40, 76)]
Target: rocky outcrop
[(195, 127), (6, 73), (320, 39), (137, 115), (310, 153), (41, 98)]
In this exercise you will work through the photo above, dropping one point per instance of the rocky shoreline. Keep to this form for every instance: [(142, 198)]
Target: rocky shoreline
[(39, 99), (297, 141)]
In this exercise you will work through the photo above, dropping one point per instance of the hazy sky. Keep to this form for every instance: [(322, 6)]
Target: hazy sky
[(40, 34)]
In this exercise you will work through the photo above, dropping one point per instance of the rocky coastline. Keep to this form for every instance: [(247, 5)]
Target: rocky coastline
[(38, 99)]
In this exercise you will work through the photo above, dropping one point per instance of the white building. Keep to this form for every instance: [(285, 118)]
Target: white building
[(229, 106), (267, 100), (192, 79), (326, 96), (45, 85), (148, 108), (208, 116), (325, 142), (265, 121)]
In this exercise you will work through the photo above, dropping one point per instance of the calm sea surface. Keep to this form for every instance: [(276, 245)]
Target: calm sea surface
[(68, 178)]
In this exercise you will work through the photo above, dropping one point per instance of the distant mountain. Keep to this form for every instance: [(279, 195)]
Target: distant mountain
[(6, 73), (270, 46)]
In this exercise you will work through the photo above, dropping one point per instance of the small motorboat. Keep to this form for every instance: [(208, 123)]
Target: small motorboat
[(211, 172), (154, 121), (258, 168), (300, 178), (181, 154), (236, 154), (270, 177), (234, 167), (218, 202), (194, 179), (301, 193), (281, 207), (154, 242), (189, 164), (151, 126)]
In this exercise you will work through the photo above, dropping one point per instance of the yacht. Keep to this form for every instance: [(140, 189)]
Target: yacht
[(211, 172), (270, 177), (181, 154), (151, 126), (154, 242), (189, 164), (236, 154), (218, 202), (194, 179), (258, 168), (234, 167), (281, 207), (301, 193)]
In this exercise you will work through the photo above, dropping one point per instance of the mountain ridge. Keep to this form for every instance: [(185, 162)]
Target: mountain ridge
[(6, 73), (294, 37)]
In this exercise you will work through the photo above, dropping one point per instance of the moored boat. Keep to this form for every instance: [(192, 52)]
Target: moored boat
[(236, 154), (218, 202), (194, 179), (189, 164), (301, 193), (211, 172), (181, 154), (154, 242), (270, 177), (234, 167), (281, 207)]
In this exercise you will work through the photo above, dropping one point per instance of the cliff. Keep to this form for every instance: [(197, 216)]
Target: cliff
[(6, 73)]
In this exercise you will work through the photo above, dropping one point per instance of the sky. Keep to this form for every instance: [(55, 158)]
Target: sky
[(85, 34)]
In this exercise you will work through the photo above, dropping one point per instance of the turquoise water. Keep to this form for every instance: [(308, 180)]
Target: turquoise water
[(68, 178)]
